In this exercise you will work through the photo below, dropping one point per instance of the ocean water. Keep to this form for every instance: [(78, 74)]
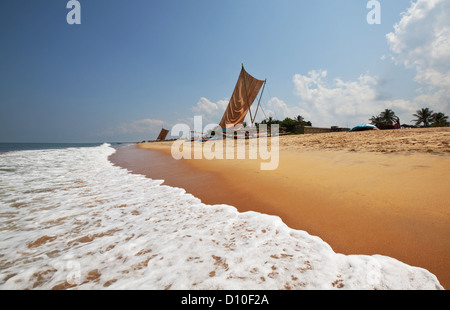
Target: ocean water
[(69, 219), (8, 147)]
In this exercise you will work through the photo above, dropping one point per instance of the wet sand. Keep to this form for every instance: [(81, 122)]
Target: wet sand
[(384, 192)]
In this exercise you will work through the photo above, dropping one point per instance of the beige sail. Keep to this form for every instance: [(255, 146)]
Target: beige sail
[(162, 135), (245, 92)]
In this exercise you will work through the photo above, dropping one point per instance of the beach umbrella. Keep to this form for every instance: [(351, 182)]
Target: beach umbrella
[(364, 126)]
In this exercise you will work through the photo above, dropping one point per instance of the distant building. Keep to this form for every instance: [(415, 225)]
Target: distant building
[(314, 130)]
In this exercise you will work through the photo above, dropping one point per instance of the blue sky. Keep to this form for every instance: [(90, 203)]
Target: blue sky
[(134, 66)]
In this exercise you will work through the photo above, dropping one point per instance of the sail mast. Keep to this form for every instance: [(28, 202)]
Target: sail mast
[(259, 101), (246, 95)]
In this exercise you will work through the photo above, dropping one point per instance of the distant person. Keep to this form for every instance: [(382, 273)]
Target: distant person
[(397, 123)]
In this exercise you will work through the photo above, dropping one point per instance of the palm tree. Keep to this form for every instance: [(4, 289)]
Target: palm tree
[(424, 116), (388, 117), (268, 121), (299, 119), (440, 119), (376, 120), (385, 120)]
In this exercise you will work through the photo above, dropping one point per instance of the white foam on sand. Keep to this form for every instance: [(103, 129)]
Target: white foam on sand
[(70, 219)]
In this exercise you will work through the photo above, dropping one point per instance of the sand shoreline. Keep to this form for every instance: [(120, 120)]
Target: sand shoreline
[(350, 190)]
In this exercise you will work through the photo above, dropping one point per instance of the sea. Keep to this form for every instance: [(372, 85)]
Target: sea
[(70, 219)]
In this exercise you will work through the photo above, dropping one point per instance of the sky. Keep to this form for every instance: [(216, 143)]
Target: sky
[(132, 67)]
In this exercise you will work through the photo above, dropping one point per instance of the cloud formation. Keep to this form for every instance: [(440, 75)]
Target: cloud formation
[(342, 100), (211, 112), (421, 41), (346, 103), (278, 109)]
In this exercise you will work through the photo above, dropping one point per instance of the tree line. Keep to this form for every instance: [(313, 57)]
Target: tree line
[(387, 119), (423, 118), (288, 124)]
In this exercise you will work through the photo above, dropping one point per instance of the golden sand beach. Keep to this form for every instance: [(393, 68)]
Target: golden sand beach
[(374, 192)]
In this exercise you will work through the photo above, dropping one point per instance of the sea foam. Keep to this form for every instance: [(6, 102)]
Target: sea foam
[(72, 220)]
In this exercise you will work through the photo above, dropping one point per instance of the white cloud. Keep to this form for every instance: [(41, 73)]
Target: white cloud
[(278, 109), (344, 103), (211, 112), (341, 103), (421, 40)]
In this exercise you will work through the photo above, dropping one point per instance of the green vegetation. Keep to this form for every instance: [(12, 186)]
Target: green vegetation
[(386, 120), (440, 120), (428, 118), (288, 124), (423, 118)]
